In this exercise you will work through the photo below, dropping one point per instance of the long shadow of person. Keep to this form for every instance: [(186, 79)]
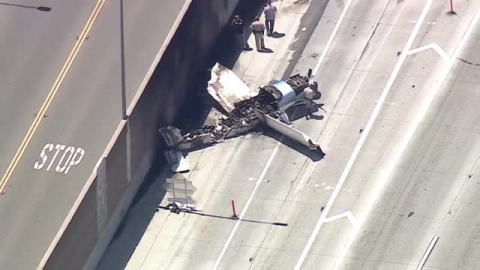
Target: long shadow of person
[(266, 50), (314, 117), (276, 34)]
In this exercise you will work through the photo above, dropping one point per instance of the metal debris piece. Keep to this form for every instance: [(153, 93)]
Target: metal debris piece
[(227, 89), (180, 188), (178, 164), (171, 135), (290, 132)]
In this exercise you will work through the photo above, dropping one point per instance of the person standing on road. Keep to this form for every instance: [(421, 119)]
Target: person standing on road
[(270, 12), (258, 30), (309, 95), (239, 30)]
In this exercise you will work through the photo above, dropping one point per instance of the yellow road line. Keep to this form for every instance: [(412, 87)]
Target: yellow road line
[(53, 91)]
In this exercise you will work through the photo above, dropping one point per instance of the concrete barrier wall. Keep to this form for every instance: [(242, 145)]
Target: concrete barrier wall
[(109, 191)]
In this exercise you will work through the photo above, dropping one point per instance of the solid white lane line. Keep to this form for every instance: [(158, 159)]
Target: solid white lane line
[(330, 40), (267, 166), (310, 169), (242, 214), (410, 133), (427, 253), (363, 137)]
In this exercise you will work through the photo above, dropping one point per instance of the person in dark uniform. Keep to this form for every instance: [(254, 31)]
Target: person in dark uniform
[(239, 30)]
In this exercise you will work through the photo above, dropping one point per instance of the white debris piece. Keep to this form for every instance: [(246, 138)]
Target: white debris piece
[(227, 89), (289, 131), (178, 164)]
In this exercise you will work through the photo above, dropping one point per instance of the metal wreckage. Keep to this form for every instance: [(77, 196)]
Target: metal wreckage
[(247, 110)]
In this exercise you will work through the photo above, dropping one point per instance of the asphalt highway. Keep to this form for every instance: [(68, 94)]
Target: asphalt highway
[(401, 137), (76, 85), (428, 188)]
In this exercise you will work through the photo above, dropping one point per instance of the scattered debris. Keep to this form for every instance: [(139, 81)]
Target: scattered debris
[(181, 190), (247, 110), (177, 162), (410, 214), (222, 77)]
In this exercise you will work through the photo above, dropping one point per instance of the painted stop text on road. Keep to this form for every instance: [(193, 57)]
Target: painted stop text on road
[(59, 158)]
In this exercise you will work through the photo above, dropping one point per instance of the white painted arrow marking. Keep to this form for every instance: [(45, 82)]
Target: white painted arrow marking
[(433, 46), (346, 214)]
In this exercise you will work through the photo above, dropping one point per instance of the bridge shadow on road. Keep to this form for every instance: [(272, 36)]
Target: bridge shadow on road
[(195, 110), (194, 113), (137, 219)]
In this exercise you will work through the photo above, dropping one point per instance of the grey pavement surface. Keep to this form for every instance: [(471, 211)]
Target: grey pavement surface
[(83, 114), (431, 190)]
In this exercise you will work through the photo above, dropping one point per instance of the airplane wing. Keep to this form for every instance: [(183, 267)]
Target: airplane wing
[(289, 131)]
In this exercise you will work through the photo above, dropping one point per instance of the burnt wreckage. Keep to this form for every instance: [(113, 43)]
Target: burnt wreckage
[(247, 110)]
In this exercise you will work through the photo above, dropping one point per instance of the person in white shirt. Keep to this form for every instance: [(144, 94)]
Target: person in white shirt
[(269, 11)]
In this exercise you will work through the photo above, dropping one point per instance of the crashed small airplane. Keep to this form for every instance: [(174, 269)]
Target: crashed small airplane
[(246, 110)]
